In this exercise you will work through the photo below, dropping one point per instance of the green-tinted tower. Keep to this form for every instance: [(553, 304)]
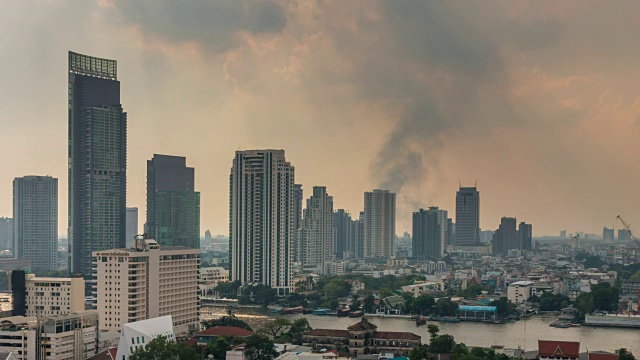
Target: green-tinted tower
[(173, 207)]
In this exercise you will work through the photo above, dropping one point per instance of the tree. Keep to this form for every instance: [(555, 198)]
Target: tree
[(442, 344), (636, 277), (419, 352), (369, 303), (264, 295), (218, 347), (624, 354), (355, 303), (504, 306), (161, 348), (408, 300), (275, 327), (584, 304), (229, 320), (299, 327), (260, 348), (228, 288), (423, 304), (386, 292), (460, 349), (604, 297), (593, 261), (446, 307), (433, 331), (552, 302)]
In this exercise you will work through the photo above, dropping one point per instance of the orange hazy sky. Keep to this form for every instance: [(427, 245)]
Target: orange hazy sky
[(537, 101)]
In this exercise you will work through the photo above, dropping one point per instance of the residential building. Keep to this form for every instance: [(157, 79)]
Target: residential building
[(131, 225), (525, 234), (341, 230), (379, 223), (261, 224), (46, 296), (424, 287), (298, 196), (563, 234), (428, 241), (6, 233), (35, 214), (57, 337), (210, 277), (356, 238), (147, 281), (173, 207), (336, 268), (554, 349), (317, 231), (97, 160), (467, 216), (137, 334), (520, 291), (608, 234), (624, 235), (506, 237)]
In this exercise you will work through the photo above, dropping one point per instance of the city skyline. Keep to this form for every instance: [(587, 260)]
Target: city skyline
[(549, 109)]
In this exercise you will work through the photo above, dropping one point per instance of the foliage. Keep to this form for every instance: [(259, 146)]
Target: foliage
[(161, 348), (604, 297), (355, 303), (552, 302), (368, 303), (584, 304), (299, 327), (54, 273), (423, 304), (433, 331), (442, 344), (471, 292), (592, 261), (229, 320), (228, 289), (275, 328), (386, 292), (635, 276), (337, 288), (218, 347), (264, 295), (445, 307), (419, 352), (504, 306), (260, 348), (624, 354)]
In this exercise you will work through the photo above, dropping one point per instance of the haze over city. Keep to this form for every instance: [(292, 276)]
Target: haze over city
[(536, 101)]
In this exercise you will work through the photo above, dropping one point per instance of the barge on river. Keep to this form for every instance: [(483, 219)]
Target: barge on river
[(624, 321)]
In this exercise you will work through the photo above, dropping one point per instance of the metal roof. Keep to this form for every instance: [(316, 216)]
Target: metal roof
[(476, 308)]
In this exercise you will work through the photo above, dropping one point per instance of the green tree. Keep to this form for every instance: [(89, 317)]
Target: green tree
[(433, 331), (408, 300), (446, 307), (218, 347), (552, 302), (228, 289), (471, 291), (386, 292), (275, 327), (635, 277), (161, 348), (423, 304), (297, 328), (264, 295), (504, 306), (593, 261), (442, 344), (355, 303), (460, 349), (260, 348), (369, 303), (229, 320), (337, 288), (605, 297), (419, 352), (584, 304), (624, 354)]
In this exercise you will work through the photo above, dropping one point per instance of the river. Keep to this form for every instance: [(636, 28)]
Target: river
[(523, 333)]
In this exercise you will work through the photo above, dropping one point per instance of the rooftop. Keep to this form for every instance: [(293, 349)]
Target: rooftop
[(554, 348), (226, 331)]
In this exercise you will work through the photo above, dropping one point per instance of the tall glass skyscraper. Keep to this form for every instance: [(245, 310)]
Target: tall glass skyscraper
[(173, 207), (97, 160), (467, 216)]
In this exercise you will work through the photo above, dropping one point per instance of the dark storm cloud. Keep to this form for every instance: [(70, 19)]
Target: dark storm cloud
[(214, 23)]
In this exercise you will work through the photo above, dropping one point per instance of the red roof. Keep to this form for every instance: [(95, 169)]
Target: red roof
[(602, 356), (226, 331), (551, 348), (395, 335), (328, 332), (192, 342)]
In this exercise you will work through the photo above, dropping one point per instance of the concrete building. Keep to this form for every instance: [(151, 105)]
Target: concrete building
[(317, 232), (608, 234), (467, 216), (137, 334), (173, 207), (298, 195), (46, 296), (520, 291), (210, 277), (262, 211), (624, 235), (429, 241), (57, 337), (341, 228), (35, 214), (379, 223), (97, 160), (6, 233), (424, 287), (506, 237), (356, 238), (525, 235), (132, 225), (147, 281)]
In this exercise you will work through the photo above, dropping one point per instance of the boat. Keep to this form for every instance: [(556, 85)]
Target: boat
[(294, 310), (449, 319), (344, 312), (421, 320), (276, 310), (321, 311), (562, 325), (307, 311), (357, 313)]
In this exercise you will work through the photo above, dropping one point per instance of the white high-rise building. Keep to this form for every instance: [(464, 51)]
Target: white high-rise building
[(317, 231), (379, 223), (147, 281), (46, 296), (261, 223)]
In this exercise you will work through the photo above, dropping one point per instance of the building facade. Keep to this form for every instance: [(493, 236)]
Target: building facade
[(35, 213), (6, 233), (147, 281), (608, 234), (53, 296), (379, 223), (261, 223), (506, 237), (317, 231), (467, 216), (137, 335), (173, 207), (341, 228), (97, 160), (356, 237), (520, 291), (298, 195), (430, 234), (525, 233), (132, 225)]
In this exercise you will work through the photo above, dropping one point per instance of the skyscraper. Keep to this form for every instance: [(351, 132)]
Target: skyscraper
[(6, 233), (298, 195), (97, 160), (505, 238), (317, 232), (427, 241), (379, 223), (173, 207), (525, 233), (467, 216), (608, 234), (261, 219), (356, 236), (624, 235), (35, 214), (132, 225), (342, 236)]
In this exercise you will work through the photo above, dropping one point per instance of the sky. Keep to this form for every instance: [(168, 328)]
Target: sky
[(537, 102)]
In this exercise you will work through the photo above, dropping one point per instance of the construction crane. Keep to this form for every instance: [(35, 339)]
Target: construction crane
[(628, 227)]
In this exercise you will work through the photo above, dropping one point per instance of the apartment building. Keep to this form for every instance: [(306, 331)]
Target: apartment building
[(210, 277), (46, 296), (147, 281), (520, 291)]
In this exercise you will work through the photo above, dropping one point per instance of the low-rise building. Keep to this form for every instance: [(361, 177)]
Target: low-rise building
[(520, 291), (205, 336), (53, 296), (425, 287), (210, 277), (554, 350)]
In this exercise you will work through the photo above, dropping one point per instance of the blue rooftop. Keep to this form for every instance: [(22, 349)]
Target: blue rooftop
[(476, 308)]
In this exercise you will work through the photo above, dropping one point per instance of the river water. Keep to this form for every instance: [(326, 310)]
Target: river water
[(524, 333)]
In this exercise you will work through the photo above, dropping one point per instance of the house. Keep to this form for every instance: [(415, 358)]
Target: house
[(552, 349), (391, 305), (362, 338), (108, 354), (204, 337)]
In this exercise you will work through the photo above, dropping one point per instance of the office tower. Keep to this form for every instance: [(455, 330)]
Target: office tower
[(608, 234), (379, 223), (341, 231), (467, 216), (317, 231), (147, 281), (525, 232), (297, 223), (208, 239), (173, 207), (132, 225), (451, 232), (356, 237), (506, 237), (624, 235), (97, 160), (563, 234), (6, 233), (427, 241), (261, 221), (35, 214), (486, 236)]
